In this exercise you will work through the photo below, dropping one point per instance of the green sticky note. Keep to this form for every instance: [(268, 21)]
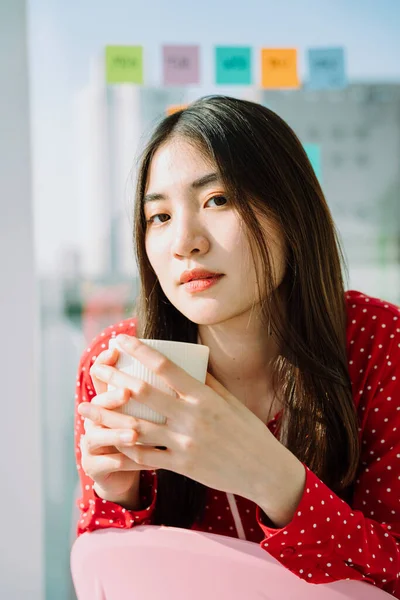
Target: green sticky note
[(124, 64), (314, 156), (233, 65)]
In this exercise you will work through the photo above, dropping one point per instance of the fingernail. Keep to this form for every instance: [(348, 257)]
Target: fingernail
[(85, 410), (126, 436), (101, 370), (123, 339)]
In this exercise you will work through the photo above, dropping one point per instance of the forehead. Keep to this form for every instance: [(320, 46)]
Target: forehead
[(177, 161)]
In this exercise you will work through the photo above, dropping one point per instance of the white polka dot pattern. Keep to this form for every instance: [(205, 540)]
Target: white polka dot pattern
[(106, 514), (327, 539), (360, 541)]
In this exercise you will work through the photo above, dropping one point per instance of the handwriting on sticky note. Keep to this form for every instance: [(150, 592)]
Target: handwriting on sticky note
[(181, 65), (279, 68), (233, 65), (124, 64), (325, 62), (326, 68), (178, 62), (235, 62)]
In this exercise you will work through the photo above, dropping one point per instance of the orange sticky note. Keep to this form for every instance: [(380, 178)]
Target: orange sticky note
[(175, 107), (279, 68)]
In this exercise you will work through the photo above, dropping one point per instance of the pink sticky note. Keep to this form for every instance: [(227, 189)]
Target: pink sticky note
[(181, 65)]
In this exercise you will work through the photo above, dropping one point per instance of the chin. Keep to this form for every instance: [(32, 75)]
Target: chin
[(204, 317), (202, 311)]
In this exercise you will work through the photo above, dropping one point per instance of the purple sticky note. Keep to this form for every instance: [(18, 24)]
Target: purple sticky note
[(181, 65)]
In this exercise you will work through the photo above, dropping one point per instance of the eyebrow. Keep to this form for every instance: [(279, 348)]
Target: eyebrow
[(196, 184)]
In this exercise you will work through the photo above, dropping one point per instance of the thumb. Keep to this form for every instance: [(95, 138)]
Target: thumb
[(107, 357)]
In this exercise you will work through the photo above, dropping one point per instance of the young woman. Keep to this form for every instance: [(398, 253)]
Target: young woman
[(294, 440)]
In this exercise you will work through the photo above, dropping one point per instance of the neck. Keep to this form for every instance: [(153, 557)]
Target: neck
[(241, 356)]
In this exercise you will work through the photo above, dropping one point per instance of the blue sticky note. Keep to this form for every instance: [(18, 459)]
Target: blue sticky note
[(233, 65), (326, 68), (314, 156)]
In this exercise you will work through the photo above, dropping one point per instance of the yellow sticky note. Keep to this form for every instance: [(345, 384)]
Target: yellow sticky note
[(175, 108), (279, 68)]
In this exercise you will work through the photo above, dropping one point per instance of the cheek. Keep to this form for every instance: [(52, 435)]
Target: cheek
[(230, 235), (154, 255), (158, 254), (243, 255)]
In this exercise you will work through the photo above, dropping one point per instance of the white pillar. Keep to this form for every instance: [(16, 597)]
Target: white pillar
[(91, 141), (21, 519), (127, 132)]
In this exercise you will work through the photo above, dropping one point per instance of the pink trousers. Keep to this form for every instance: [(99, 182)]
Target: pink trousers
[(166, 563)]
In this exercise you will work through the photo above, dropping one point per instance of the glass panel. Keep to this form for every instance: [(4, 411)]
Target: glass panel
[(86, 138)]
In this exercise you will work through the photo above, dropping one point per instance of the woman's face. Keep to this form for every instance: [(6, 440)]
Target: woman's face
[(192, 224)]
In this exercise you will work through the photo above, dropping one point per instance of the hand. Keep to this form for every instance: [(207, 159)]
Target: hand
[(210, 436), (113, 472)]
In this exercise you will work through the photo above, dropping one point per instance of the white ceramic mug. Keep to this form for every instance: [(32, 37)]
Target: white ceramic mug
[(193, 358)]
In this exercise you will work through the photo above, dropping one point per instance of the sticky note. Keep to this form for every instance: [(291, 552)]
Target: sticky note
[(233, 65), (314, 156), (326, 68), (175, 108), (279, 68), (181, 65), (124, 64)]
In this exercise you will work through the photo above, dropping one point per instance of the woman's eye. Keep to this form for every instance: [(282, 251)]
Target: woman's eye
[(163, 217), (220, 200), (152, 219)]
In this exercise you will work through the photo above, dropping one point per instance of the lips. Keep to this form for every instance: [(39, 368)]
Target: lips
[(197, 274)]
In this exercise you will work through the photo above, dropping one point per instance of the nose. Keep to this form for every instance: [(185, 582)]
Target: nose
[(189, 239)]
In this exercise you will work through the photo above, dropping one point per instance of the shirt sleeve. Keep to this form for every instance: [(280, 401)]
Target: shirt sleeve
[(96, 513), (328, 539)]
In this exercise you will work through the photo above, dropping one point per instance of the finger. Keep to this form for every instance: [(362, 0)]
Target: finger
[(102, 417), (108, 463), (175, 377), (103, 420), (104, 450), (107, 357), (112, 399), (147, 432), (155, 435), (99, 438), (146, 456), (145, 393), (87, 424)]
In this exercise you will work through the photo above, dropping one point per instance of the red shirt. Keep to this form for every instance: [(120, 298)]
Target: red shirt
[(327, 538)]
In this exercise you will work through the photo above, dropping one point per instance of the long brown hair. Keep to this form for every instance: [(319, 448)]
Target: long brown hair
[(267, 172)]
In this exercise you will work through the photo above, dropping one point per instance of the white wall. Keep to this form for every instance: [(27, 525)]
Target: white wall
[(20, 459)]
